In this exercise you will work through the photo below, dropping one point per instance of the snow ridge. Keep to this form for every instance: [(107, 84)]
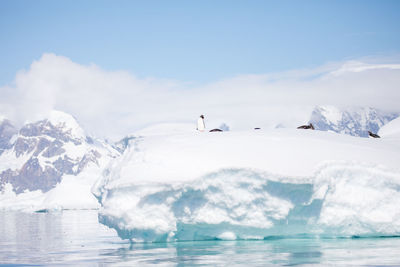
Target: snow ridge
[(392, 129)]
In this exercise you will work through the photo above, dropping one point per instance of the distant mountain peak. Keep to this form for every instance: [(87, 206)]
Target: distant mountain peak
[(65, 120), (42, 152), (356, 121), (61, 121)]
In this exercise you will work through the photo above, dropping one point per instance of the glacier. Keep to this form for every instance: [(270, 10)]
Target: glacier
[(177, 186)]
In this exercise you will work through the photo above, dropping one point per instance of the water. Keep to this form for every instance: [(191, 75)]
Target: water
[(76, 238)]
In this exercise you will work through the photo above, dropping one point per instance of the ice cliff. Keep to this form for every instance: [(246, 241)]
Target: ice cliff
[(251, 185)]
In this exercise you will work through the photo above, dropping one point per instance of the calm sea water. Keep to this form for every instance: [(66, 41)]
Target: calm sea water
[(76, 238)]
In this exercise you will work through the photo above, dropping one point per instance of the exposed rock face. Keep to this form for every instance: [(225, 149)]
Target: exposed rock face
[(32, 177), (60, 132), (46, 150), (356, 121)]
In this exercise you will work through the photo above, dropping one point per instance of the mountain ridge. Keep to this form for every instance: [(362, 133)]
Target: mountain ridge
[(42, 152), (355, 121)]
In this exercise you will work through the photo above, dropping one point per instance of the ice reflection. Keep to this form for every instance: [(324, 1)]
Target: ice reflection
[(76, 238)]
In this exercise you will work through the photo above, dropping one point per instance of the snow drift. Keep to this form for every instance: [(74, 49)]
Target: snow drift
[(391, 130), (251, 185)]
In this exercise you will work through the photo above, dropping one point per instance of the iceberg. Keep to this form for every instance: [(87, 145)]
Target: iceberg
[(251, 185)]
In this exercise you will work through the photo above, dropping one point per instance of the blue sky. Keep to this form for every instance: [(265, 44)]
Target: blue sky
[(196, 41)]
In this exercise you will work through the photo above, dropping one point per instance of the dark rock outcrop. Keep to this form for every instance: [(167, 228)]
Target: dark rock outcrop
[(373, 135), (31, 177), (309, 126)]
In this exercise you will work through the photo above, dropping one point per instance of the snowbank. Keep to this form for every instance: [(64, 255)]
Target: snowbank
[(167, 129), (392, 129), (251, 185)]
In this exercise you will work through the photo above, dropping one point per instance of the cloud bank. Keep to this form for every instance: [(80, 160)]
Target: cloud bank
[(116, 103)]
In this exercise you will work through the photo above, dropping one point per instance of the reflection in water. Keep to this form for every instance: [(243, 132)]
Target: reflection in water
[(76, 238)]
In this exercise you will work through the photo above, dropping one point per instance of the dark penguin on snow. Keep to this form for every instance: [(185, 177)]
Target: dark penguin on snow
[(215, 130), (310, 126), (373, 135)]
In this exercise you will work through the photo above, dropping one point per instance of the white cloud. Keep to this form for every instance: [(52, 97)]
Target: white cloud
[(114, 103)]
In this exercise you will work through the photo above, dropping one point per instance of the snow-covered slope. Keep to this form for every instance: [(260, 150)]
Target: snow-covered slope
[(195, 186), (352, 121), (51, 163), (166, 129), (153, 130), (391, 130)]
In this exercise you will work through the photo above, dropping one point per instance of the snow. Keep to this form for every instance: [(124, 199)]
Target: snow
[(253, 184), (331, 113), (67, 121), (75, 151), (9, 160), (25, 202), (73, 192), (166, 129), (392, 129)]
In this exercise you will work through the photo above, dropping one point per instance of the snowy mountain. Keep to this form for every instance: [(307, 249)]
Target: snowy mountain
[(352, 121), (7, 130), (41, 154)]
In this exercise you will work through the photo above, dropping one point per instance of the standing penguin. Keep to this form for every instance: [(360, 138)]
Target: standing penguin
[(200, 124)]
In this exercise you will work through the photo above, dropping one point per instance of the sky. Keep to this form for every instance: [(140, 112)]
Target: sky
[(196, 41), (142, 62)]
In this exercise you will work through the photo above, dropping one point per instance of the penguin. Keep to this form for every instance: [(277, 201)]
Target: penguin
[(200, 124), (373, 135), (310, 126)]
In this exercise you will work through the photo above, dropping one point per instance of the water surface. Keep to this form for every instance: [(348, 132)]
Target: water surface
[(76, 238)]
